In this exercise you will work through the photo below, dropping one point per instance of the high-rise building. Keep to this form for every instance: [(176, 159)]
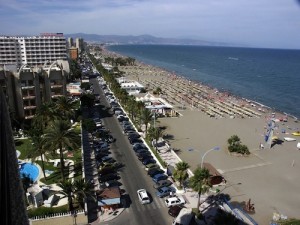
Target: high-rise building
[(12, 198), (33, 70), (28, 87), (32, 51), (79, 44), (70, 42)]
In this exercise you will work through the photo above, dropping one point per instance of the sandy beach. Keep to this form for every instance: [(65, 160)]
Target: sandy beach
[(208, 118)]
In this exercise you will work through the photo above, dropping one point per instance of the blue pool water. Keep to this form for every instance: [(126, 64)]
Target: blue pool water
[(31, 170)]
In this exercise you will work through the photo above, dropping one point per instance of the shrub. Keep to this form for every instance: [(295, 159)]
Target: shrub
[(45, 211)]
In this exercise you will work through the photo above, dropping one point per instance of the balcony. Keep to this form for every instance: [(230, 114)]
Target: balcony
[(30, 107), (55, 86), (57, 95), (28, 97), (29, 117), (27, 87)]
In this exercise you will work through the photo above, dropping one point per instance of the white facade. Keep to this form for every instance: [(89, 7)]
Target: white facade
[(33, 51)]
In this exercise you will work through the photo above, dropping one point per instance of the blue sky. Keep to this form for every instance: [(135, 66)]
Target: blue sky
[(256, 23)]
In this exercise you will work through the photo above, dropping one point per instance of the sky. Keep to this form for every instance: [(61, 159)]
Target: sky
[(252, 23)]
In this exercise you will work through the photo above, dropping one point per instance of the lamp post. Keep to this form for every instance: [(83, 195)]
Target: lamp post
[(213, 149)]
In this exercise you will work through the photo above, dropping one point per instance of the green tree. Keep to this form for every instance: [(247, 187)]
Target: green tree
[(235, 145), (181, 173), (37, 147), (200, 182), (146, 118), (45, 113), (65, 107), (83, 190), (60, 135), (67, 190), (155, 133)]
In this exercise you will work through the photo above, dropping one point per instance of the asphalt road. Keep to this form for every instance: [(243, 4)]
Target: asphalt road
[(133, 175)]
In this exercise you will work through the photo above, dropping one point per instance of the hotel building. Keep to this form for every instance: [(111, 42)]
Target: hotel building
[(33, 70)]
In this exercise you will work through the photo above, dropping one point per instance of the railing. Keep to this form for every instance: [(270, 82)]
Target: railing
[(55, 215)]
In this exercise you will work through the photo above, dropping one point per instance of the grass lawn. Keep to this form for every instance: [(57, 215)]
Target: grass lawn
[(23, 145)]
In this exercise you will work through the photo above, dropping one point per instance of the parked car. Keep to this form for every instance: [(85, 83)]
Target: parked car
[(164, 191), (174, 210), (107, 177), (162, 183), (148, 161), (136, 140), (144, 156), (155, 171), (139, 146), (150, 166), (159, 176), (176, 200), (141, 151), (112, 183), (132, 135), (143, 196)]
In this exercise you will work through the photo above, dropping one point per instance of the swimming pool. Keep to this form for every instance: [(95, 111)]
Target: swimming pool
[(31, 170)]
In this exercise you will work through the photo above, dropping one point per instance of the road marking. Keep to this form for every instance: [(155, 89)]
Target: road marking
[(245, 167)]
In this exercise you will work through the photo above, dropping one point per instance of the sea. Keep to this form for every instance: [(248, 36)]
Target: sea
[(270, 77)]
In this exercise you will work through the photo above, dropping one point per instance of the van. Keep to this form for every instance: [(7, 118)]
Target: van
[(184, 217)]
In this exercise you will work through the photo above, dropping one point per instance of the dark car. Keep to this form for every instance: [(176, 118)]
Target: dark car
[(142, 154), (106, 170), (135, 140), (132, 135), (159, 177), (154, 171), (164, 191), (138, 146), (143, 157), (162, 183), (107, 177), (141, 151), (175, 210), (148, 161)]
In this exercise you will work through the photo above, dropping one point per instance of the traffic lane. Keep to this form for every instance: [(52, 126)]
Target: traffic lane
[(133, 175)]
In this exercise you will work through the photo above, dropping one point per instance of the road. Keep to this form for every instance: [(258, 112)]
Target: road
[(133, 175)]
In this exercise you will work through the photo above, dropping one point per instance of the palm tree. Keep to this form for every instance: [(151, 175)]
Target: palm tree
[(83, 190), (180, 173), (200, 182), (44, 115), (67, 190), (37, 147), (65, 107), (60, 135), (155, 133), (146, 118)]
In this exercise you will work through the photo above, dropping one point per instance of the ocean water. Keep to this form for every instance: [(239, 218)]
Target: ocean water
[(268, 76)]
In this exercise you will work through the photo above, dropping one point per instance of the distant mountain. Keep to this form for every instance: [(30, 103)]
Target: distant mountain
[(141, 39)]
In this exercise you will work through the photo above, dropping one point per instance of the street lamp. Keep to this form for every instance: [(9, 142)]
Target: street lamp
[(213, 149)]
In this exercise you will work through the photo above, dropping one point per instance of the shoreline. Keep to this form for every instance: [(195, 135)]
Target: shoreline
[(206, 85)]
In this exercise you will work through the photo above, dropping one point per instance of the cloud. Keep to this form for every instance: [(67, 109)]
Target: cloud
[(250, 22)]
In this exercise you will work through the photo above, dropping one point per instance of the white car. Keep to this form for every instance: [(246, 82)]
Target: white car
[(143, 196), (175, 200)]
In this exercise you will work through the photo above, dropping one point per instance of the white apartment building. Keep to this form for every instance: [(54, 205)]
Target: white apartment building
[(32, 51)]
